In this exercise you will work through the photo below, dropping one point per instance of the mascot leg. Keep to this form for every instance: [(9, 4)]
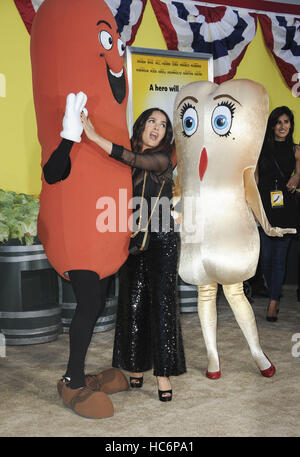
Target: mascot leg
[(207, 312), (73, 388), (90, 295), (86, 394), (245, 318)]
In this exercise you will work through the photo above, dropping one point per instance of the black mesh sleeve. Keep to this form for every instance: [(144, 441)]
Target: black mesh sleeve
[(156, 161)]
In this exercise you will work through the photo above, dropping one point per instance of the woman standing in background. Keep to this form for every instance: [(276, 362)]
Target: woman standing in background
[(278, 176)]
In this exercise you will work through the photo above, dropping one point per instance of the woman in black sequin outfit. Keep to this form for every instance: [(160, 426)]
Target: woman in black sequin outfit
[(148, 332)]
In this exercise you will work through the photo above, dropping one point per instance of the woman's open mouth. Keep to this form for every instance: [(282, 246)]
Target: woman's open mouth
[(153, 136)]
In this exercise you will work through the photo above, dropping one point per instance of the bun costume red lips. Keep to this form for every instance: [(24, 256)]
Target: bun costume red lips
[(202, 163), (75, 46)]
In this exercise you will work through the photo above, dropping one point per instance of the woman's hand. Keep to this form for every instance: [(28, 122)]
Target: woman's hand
[(91, 133), (88, 127), (294, 180), (293, 183)]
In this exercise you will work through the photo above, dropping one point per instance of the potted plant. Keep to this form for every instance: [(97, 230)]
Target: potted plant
[(29, 309)]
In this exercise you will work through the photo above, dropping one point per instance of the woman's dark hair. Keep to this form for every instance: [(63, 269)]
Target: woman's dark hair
[(136, 140), (272, 121)]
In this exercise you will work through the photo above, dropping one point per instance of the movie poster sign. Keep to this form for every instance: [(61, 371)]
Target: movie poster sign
[(155, 77)]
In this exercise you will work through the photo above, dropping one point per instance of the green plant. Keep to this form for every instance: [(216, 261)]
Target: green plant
[(18, 217)]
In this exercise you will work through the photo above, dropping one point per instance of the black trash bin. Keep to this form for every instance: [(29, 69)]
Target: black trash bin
[(188, 297), (29, 309)]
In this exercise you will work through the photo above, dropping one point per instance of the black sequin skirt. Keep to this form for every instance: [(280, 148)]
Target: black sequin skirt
[(148, 331)]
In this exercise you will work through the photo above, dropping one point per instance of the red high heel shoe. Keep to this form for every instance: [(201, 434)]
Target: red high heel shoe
[(214, 374), (269, 372)]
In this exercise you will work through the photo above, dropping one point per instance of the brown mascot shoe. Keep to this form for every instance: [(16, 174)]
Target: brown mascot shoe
[(87, 402), (60, 384), (90, 380), (110, 381)]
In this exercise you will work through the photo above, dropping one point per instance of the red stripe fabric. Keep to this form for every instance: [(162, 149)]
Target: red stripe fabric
[(262, 5), (136, 26), (168, 31), (287, 70), (212, 14), (26, 11), (234, 64)]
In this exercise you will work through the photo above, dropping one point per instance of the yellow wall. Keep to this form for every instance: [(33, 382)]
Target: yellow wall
[(259, 65), (19, 148)]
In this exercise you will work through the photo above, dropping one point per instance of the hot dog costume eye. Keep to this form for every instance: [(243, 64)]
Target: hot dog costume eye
[(219, 131), (75, 46)]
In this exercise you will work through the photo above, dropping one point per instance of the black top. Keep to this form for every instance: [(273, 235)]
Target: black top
[(158, 164), (272, 176)]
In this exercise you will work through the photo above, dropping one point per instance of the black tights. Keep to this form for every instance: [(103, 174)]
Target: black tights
[(90, 294)]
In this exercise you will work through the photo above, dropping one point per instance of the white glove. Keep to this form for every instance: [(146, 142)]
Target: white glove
[(278, 231), (72, 126)]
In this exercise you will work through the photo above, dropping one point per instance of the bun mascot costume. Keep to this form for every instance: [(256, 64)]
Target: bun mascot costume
[(219, 130), (75, 46)]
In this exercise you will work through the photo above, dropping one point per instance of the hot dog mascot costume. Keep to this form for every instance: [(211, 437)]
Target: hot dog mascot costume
[(219, 130), (77, 60)]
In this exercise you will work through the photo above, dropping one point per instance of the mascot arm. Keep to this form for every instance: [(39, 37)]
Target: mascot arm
[(254, 200), (58, 166), (158, 161)]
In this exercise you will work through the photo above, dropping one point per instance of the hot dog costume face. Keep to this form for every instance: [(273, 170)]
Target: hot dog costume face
[(219, 130), (75, 46)]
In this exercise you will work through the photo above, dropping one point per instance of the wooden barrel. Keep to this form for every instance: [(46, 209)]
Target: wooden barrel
[(67, 301), (2, 345), (30, 327), (188, 297), (29, 310)]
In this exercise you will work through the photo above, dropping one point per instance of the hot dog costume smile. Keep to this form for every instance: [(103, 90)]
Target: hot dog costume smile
[(75, 46)]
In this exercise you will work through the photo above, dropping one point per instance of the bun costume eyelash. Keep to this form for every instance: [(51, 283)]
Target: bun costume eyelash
[(222, 117), (189, 117)]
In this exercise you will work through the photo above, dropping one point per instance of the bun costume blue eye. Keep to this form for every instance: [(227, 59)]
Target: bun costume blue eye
[(189, 118), (221, 119)]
